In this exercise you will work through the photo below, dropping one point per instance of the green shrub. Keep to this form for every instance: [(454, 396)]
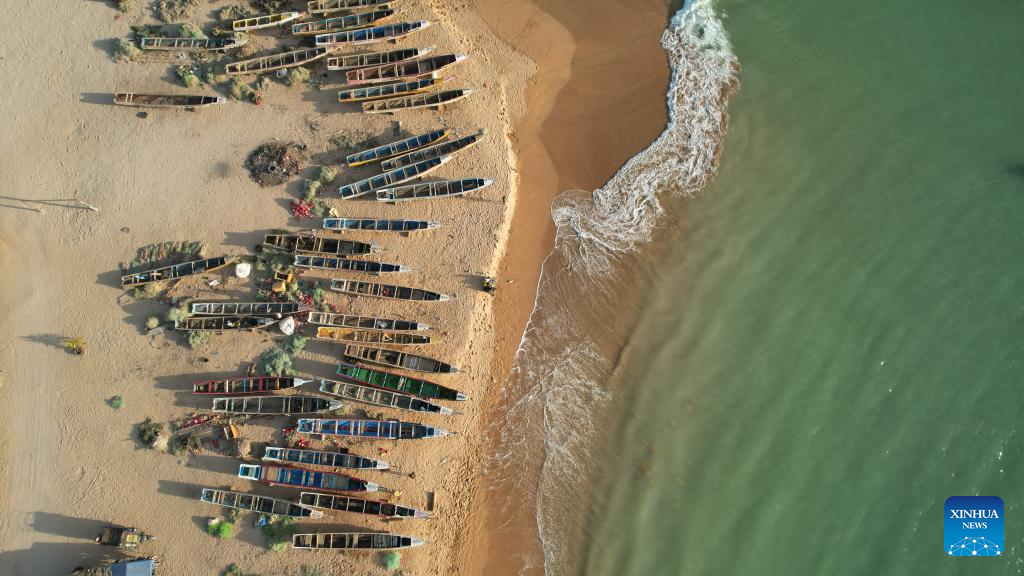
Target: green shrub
[(152, 322), (116, 402), (187, 74), (277, 362), (392, 560), (321, 208), (176, 10), (297, 76), (125, 50), (294, 344), (240, 91), (190, 30), (177, 314), (263, 83), (180, 444), (271, 6), (232, 13), (279, 532), (198, 338), (327, 174), (148, 291), (149, 430), (220, 529), (311, 189)]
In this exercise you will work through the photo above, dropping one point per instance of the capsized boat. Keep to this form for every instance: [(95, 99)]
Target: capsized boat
[(397, 359), (288, 476), (376, 92), (369, 224), (380, 397), (428, 190), (403, 70), (261, 504), (386, 429), (449, 148), (371, 290), (247, 385), (344, 23), (219, 323), (328, 6), (191, 44), (183, 101), (321, 458), (342, 503), (403, 174), (262, 64), (364, 322), (371, 336), (176, 271), (370, 35), (353, 61), (246, 308), (317, 244), (275, 405), (396, 148), (426, 100), (353, 541), (264, 21), (330, 263), (397, 382)]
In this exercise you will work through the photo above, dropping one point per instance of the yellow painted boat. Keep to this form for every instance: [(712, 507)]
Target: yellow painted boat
[(328, 6), (265, 21)]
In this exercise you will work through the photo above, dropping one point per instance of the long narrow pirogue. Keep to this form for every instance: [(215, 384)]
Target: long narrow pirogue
[(370, 35), (342, 503), (332, 263), (403, 174), (433, 99), (379, 429), (322, 458), (369, 224), (219, 323), (403, 70), (344, 23), (397, 382), (371, 290), (176, 271), (261, 504), (317, 244), (352, 61), (365, 322), (263, 64), (191, 44), (247, 385), (396, 359), (396, 148), (371, 337), (281, 405), (328, 6), (246, 308), (428, 190), (264, 21), (377, 92), (183, 101), (449, 148), (379, 397), (288, 476), (353, 541)]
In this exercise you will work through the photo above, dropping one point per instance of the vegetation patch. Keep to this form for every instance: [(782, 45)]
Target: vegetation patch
[(220, 528), (164, 254), (181, 444), (278, 530), (392, 560), (148, 291), (277, 362), (190, 30), (125, 50), (198, 338), (297, 76), (75, 345), (187, 73), (148, 430), (270, 6), (176, 10), (116, 402), (294, 344)]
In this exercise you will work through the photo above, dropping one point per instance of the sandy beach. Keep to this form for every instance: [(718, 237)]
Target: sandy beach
[(72, 463)]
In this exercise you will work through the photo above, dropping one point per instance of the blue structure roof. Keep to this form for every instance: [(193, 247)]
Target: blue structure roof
[(133, 568)]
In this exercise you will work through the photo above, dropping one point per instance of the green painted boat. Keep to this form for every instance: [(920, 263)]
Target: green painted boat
[(398, 383)]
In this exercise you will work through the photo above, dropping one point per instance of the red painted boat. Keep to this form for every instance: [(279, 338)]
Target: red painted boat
[(256, 385)]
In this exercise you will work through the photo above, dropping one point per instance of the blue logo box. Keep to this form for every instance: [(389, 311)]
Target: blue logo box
[(974, 526)]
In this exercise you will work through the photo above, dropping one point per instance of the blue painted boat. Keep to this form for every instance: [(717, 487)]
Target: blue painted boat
[(386, 429), (321, 458), (300, 478)]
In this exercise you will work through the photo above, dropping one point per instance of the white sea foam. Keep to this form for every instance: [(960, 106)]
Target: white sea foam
[(560, 374)]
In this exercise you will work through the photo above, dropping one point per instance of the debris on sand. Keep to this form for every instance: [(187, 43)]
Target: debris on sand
[(275, 163)]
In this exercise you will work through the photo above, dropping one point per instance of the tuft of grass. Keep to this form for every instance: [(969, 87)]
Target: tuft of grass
[(181, 444), (294, 344), (270, 6), (392, 560), (152, 322), (75, 344), (116, 402), (190, 30), (327, 174), (177, 314), (220, 529), (126, 51), (125, 5), (297, 76), (279, 532), (176, 10), (187, 74), (239, 90), (233, 12), (263, 83), (148, 291), (198, 338), (148, 430), (277, 362), (234, 570), (311, 189)]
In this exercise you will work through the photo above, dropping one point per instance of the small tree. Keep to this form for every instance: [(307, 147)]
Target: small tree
[(277, 362)]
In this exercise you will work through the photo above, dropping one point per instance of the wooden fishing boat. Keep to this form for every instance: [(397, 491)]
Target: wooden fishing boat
[(342, 503), (403, 70), (184, 101), (428, 190), (371, 337), (389, 90), (288, 476), (264, 21), (370, 35), (403, 174), (344, 23), (433, 99), (397, 359), (219, 323), (396, 148), (352, 61), (371, 225), (176, 271), (191, 44), (333, 263), (371, 290), (317, 244), (262, 64), (379, 429), (379, 397), (321, 458), (265, 309), (398, 383), (274, 404), (328, 6), (261, 504), (364, 322), (247, 385), (353, 541), (449, 148)]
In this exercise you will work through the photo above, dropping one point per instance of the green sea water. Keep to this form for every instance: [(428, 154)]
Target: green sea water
[(835, 344)]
